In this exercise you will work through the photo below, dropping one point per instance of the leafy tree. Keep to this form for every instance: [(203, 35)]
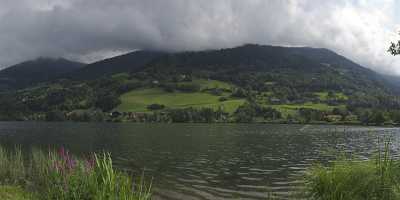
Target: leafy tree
[(365, 117), (188, 87), (271, 113), (107, 102), (239, 93), (377, 117), (395, 116), (394, 48), (221, 99), (311, 114), (245, 113)]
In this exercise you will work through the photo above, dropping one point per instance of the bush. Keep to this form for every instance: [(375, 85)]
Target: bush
[(221, 99), (188, 87), (271, 113), (155, 107), (216, 91), (246, 113), (55, 116), (309, 114), (239, 93)]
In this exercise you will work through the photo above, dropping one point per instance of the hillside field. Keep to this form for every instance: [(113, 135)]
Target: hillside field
[(138, 100)]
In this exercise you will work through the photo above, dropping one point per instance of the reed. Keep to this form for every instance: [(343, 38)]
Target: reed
[(59, 175), (355, 179)]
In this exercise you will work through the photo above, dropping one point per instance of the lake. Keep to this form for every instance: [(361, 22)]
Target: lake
[(206, 161)]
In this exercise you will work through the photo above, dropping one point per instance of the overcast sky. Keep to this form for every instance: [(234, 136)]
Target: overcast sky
[(88, 30)]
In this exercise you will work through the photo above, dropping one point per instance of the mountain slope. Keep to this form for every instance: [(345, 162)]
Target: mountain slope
[(125, 63), (243, 84), (303, 68), (36, 71)]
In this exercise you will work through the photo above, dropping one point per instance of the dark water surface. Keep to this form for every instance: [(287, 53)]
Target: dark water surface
[(203, 161)]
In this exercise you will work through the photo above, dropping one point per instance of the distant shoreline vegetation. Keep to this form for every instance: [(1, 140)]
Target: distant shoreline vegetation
[(188, 101), (202, 104), (244, 114)]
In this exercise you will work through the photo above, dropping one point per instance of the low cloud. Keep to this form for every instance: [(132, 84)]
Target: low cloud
[(89, 30)]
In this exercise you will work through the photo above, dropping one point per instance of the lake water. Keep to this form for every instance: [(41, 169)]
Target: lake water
[(203, 161)]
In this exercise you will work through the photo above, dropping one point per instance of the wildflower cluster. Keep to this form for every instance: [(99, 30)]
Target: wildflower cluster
[(59, 175)]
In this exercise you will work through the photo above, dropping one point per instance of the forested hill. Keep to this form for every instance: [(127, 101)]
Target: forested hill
[(130, 62), (36, 71), (243, 84), (303, 68)]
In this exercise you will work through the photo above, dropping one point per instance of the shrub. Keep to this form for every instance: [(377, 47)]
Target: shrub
[(155, 106), (216, 91), (55, 115), (188, 87), (239, 93), (221, 99)]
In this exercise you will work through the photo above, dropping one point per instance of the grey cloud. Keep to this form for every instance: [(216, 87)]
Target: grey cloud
[(80, 29)]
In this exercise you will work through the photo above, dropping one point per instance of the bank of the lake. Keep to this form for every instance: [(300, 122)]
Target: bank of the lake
[(207, 161), (343, 179)]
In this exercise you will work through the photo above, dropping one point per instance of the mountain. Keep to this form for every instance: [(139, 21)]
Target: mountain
[(302, 68), (242, 84), (35, 71), (393, 80), (130, 62)]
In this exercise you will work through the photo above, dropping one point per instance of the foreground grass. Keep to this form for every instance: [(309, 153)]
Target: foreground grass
[(352, 179), (61, 176), (15, 193)]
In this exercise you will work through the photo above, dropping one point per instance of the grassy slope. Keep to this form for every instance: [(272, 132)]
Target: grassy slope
[(287, 109), (138, 100), (208, 84), (324, 96)]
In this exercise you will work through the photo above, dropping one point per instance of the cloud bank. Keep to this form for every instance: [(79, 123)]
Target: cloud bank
[(89, 30)]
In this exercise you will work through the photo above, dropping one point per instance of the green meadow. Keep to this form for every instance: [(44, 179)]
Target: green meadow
[(325, 96), (291, 109), (138, 100), (209, 84)]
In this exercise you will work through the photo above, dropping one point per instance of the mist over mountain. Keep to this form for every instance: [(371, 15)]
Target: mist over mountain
[(130, 62), (359, 29)]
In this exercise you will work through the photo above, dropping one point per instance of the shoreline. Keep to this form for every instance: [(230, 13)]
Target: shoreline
[(387, 125)]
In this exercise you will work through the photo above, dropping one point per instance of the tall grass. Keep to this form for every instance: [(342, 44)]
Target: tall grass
[(353, 179), (61, 176)]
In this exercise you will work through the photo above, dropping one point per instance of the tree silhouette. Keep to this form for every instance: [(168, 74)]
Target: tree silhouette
[(394, 48)]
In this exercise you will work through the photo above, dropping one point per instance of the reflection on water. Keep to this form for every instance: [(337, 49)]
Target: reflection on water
[(192, 161)]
